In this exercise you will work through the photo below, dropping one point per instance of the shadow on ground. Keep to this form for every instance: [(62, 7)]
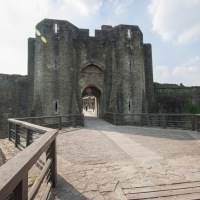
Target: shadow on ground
[(2, 158), (66, 191)]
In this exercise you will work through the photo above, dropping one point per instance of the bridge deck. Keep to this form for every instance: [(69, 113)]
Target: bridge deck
[(103, 161)]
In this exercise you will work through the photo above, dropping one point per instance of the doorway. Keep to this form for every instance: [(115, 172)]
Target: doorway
[(91, 101)]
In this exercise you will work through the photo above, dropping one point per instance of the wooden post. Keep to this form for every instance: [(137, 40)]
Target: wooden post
[(21, 190), (51, 153), (196, 122), (27, 137), (73, 121), (82, 117), (121, 119), (60, 121), (193, 121), (9, 132), (164, 121), (141, 123), (17, 129), (148, 121), (114, 119)]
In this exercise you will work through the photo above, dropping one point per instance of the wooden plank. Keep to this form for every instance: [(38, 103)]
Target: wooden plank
[(165, 187), (10, 176), (46, 191), (51, 154), (39, 180), (21, 191), (195, 196), (167, 193), (33, 127)]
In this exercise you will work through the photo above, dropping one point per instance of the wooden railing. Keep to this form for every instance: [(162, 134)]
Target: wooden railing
[(179, 121), (14, 173), (58, 121)]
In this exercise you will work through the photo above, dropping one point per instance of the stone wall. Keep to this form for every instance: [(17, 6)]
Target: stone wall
[(15, 99), (116, 64), (59, 62), (176, 99)]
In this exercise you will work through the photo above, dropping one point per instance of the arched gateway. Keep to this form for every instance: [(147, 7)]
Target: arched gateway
[(114, 66), (91, 97), (91, 83)]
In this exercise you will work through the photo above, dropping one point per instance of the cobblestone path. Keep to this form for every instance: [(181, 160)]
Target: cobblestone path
[(106, 162)]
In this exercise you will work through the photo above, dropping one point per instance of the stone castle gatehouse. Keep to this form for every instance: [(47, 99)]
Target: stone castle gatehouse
[(66, 64)]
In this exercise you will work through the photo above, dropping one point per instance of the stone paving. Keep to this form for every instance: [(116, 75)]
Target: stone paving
[(102, 161), (106, 162)]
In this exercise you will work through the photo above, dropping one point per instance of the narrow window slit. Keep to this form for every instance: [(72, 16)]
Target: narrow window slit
[(55, 28), (129, 33), (56, 106), (129, 106)]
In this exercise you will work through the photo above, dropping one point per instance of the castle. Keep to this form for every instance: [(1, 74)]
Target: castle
[(65, 64)]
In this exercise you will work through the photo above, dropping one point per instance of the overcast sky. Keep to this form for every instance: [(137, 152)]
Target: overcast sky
[(171, 26)]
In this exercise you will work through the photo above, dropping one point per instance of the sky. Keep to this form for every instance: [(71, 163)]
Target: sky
[(171, 26)]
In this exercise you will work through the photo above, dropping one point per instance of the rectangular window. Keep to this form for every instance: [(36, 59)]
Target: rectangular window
[(55, 28), (129, 33)]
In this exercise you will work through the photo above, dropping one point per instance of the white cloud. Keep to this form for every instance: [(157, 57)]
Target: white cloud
[(187, 73), (161, 74), (176, 20), (86, 7), (120, 7), (192, 34), (193, 61), (19, 18)]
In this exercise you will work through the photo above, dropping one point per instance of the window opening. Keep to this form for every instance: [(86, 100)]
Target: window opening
[(55, 28), (129, 106), (56, 106), (129, 33)]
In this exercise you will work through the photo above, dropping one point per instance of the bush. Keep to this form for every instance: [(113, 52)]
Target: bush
[(193, 108)]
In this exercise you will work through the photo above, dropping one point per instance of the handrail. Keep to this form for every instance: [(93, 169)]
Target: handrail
[(164, 120), (14, 173), (56, 121)]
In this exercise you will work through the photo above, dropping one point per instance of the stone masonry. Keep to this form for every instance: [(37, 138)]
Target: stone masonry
[(66, 64), (114, 65)]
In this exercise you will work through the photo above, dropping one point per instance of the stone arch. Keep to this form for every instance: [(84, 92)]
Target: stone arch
[(92, 92), (91, 85), (93, 63), (92, 76)]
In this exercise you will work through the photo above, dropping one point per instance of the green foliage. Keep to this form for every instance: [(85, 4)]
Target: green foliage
[(168, 86), (33, 179), (172, 86), (193, 108)]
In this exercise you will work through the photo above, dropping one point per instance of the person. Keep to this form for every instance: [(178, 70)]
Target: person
[(86, 108)]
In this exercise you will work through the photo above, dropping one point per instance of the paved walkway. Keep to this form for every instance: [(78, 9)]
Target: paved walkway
[(106, 162)]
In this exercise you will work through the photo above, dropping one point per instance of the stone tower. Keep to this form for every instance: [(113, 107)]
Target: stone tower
[(65, 64)]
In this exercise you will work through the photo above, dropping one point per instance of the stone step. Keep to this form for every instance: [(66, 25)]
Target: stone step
[(175, 191)]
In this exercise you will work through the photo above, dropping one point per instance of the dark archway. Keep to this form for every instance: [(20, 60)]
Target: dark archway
[(91, 96)]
